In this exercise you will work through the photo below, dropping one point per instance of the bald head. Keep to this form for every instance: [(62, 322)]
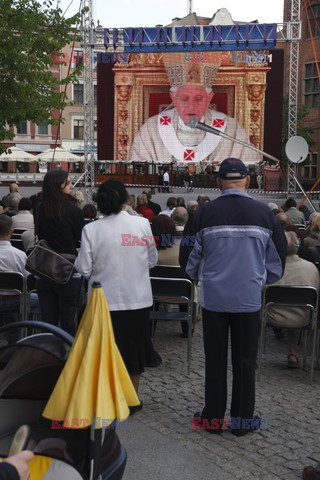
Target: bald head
[(13, 188), (180, 216)]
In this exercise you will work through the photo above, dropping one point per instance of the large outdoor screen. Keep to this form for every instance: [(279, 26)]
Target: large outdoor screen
[(149, 105)]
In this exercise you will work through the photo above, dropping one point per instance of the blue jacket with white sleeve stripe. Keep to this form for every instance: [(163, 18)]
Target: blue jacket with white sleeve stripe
[(240, 246)]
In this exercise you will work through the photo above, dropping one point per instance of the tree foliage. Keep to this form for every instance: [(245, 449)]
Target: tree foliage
[(29, 89), (304, 131)]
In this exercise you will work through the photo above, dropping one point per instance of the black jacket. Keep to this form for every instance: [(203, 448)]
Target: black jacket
[(62, 235), (155, 207), (8, 472)]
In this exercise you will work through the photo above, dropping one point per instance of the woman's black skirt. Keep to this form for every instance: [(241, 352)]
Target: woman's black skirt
[(133, 337)]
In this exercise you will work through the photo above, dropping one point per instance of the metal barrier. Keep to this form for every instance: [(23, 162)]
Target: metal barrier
[(29, 177)]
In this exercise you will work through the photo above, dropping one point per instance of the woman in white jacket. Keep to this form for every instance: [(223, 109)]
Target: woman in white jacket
[(118, 250)]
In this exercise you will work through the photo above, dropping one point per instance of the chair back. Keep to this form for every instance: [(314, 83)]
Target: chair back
[(14, 282), (172, 288), (168, 271), (16, 239), (292, 296), (169, 285), (301, 226), (298, 296)]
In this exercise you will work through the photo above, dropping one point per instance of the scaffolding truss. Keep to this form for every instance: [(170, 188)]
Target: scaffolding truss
[(89, 146), (250, 36), (294, 38)]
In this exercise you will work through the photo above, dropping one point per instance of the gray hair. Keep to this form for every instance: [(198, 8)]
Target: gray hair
[(293, 243), (14, 200), (192, 206), (180, 216)]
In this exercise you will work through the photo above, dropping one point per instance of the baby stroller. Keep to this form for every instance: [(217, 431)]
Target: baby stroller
[(29, 370)]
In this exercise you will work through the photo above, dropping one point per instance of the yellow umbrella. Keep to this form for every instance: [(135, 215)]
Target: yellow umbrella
[(94, 387)]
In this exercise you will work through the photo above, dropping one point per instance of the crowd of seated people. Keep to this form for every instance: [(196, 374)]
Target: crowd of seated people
[(175, 221)]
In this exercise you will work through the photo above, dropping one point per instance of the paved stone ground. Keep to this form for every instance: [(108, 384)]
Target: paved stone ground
[(284, 397)]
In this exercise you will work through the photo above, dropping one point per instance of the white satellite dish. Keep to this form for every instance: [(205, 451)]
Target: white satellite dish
[(297, 149)]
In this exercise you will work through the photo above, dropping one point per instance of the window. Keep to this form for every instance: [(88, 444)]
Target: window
[(43, 128), (78, 94), (78, 57), (78, 129), (310, 169), (314, 17), (311, 86), (22, 129)]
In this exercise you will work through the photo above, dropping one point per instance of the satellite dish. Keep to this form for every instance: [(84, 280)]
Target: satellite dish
[(297, 149)]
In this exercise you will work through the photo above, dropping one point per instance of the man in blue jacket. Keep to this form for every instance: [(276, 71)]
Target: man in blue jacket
[(240, 246)]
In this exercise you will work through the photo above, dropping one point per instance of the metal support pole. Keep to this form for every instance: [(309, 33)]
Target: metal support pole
[(294, 37), (89, 147)]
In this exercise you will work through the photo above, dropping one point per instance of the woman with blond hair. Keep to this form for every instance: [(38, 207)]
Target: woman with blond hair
[(143, 209), (314, 236)]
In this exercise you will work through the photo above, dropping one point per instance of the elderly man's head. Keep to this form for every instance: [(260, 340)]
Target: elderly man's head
[(191, 101), (180, 217), (293, 243), (13, 188), (192, 206), (233, 174), (14, 201)]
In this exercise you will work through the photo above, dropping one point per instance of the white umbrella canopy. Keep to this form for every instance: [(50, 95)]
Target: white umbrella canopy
[(17, 155), (58, 155)]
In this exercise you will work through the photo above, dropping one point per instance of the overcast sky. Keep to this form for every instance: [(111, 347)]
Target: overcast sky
[(148, 13)]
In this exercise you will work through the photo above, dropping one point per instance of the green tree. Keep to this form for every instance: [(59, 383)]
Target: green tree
[(29, 89), (306, 132)]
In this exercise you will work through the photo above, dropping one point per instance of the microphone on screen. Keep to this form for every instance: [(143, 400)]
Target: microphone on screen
[(202, 126), (193, 123)]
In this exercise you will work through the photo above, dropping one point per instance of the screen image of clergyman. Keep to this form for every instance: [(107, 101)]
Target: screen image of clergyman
[(168, 137)]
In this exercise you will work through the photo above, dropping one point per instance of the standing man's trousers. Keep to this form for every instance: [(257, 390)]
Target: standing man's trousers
[(244, 329)]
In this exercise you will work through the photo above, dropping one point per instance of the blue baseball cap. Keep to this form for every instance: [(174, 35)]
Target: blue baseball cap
[(232, 169)]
